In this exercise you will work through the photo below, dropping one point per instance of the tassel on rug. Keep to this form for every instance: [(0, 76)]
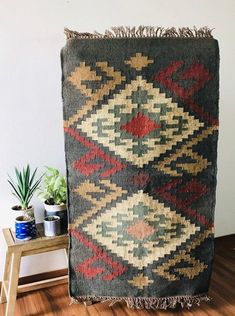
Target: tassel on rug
[(186, 301), (144, 31)]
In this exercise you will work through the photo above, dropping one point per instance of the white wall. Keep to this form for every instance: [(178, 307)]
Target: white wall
[(31, 36)]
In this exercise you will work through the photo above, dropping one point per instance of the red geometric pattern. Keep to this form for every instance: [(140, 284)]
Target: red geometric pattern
[(195, 190), (140, 125), (195, 72), (140, 179), (114, 270), (82, 164)]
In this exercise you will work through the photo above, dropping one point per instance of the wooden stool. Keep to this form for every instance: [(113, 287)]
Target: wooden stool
[(17, 249)]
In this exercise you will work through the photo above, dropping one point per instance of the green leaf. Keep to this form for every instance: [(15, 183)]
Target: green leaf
[(32, 177), (19, 189), (19, 199), (24, 188), (35, 186), (15, 189), (54, 186), (19, 176), (27, 175)]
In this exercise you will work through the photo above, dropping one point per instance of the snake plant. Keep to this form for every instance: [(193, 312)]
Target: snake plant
[(24, 186)]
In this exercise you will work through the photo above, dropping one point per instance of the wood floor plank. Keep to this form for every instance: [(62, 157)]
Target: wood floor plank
[(54, 301)]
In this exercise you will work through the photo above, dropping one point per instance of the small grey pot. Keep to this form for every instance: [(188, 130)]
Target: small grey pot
[(52, 226)]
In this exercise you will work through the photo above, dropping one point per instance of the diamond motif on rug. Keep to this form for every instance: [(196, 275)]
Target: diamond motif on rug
[(139, 61), (140, 230), (140, 281), (119, 229), (139, 123)]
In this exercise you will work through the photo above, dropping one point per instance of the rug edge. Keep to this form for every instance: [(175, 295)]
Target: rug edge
[(186, 301), (143, 31)]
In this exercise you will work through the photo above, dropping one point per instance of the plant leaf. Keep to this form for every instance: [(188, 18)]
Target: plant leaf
[(19, 176), (15, 189), (19, 199), (32, 177)]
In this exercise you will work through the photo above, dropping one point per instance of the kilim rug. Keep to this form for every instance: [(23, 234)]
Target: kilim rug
[(140, 122)]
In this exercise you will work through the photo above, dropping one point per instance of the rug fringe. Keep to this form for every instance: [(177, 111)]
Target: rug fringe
[(144, 31), (186, 301)]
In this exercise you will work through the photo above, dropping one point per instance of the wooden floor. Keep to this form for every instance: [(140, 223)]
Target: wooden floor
[(55, 301)]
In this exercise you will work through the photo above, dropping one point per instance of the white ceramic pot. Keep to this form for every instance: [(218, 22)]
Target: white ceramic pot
[(55, 208), (16, 211)]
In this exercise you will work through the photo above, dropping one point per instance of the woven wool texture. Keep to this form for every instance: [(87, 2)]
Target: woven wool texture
[(141, 125)]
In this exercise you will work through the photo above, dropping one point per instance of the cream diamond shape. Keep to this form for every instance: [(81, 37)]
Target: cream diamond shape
[(108, 135), (126, 251)]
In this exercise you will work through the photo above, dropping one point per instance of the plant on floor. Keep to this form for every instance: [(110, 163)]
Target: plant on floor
[(24, 187), (54, 188)]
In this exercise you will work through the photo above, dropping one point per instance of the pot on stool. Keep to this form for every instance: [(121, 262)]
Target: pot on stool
[(58, 210), (52, 226), (25, 229)]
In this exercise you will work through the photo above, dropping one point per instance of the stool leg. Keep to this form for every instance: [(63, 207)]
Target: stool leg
[(13, 283), (5, 277), (66, 252)]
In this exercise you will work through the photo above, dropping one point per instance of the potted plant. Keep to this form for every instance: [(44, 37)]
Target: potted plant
[(54, 196), (52, 226), (23, 189)]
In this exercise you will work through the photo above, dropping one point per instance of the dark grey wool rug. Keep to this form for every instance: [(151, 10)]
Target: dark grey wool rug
[(141, 122)]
